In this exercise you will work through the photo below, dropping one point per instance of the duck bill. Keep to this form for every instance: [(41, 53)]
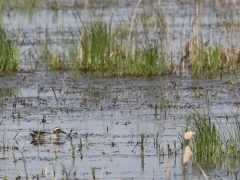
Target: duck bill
[(63, 132)]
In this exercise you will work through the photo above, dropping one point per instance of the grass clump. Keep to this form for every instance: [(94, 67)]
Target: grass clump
[(96, 47), (136, 47), (104, 49), (53, 58), (9, 52), (54, 61), (207, 142), (212, 140), (205, 59), (8, 92), (209, 60)]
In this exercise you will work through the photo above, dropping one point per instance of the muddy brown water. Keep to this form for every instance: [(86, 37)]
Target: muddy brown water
[(107, 116)]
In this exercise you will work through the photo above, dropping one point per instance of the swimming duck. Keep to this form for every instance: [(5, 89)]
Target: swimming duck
[(47, 135)]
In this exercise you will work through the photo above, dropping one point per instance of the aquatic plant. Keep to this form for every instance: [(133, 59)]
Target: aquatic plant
[(8, 92), (55, 153), (207, 142), (187, 151), (93, 172), (110, 49), (113, 50), (209, 60), (72, 147), (9, 52), (212, 140), (204, 60), (142, 140), (52, 57)]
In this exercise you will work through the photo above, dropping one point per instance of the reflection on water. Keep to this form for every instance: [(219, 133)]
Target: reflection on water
[(8, 92), (47, 141), (116, 126)]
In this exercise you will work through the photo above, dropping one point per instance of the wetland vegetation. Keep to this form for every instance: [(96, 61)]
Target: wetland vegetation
[(144, 89), (9, 52)]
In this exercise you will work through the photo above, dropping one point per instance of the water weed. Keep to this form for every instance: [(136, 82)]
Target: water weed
[(111, 50), (205, 60), (207, 141), (211, 139), (53, 57), (214, 59), (139, 47), (9, 52), (8, 92)]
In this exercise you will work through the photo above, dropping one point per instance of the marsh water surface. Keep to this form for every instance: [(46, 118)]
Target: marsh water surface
[(108, 116)]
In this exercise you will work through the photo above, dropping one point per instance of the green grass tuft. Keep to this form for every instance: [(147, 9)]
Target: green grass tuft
[(102, 49), (209, 60), (213, 140), (9, 52), (207, 142), (53, 58)]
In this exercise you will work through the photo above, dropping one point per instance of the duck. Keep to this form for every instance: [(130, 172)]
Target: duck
[(47, 135)]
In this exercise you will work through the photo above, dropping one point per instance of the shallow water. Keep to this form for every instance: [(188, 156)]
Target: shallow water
[(109, 115)]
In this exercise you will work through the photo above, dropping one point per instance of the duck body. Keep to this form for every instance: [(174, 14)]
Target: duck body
[(47, 135)]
